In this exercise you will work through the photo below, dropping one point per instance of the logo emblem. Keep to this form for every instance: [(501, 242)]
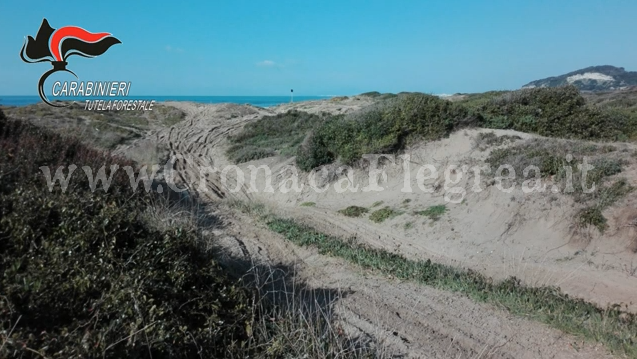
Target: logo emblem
[(55, 46)]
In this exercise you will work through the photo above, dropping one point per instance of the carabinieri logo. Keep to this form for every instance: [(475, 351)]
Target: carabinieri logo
[(55, 46)]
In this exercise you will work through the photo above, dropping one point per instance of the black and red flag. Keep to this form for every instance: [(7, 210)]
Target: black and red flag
[(56, 46)]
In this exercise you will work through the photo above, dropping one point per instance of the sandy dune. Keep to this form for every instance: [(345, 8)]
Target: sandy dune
[(530, 236)]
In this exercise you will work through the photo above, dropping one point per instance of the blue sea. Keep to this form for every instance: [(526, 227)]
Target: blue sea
[(261, 101)]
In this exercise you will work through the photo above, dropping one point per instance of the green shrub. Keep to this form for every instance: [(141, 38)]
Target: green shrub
[(353, 211), (385, 127), (83, 276), (313, 153), (272, 135), (592, 216), (553, 112), (475, 101)]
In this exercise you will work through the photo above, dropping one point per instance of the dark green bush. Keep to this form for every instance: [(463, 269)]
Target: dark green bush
[(553, 112), (385, 127), (313, 153), (83, 276), (272, 135)]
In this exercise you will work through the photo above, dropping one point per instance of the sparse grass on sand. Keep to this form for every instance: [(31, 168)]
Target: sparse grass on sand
[(485, 140), (434, 212), (353, 211), (550, 157), (615, 329), (102, 129)]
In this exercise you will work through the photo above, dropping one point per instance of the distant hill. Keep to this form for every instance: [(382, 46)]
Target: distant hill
[(594, 78)]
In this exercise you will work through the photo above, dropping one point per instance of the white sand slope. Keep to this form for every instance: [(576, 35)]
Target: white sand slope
[(589, 76)]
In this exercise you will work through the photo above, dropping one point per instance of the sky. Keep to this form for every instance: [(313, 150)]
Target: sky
[(252, 48)]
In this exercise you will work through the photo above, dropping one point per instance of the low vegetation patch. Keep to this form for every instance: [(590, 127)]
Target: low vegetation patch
[(610, 326), (383, 214), (395, 121), (77, 259), (608, 194), (385, 127), (552, 112), (596, 192), (272, 135), (308, 204), (102, 129), (434, 212), (353, 211)]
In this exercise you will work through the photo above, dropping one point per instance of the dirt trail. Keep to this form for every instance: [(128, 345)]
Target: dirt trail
[(411, 320), (496, 233)]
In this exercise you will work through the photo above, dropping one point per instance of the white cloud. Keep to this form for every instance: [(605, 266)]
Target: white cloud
[(266, 63), (173, 49)]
